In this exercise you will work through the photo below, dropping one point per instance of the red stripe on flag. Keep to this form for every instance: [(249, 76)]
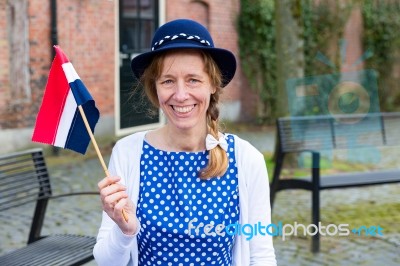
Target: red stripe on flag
[(53, 102), (60, 54)]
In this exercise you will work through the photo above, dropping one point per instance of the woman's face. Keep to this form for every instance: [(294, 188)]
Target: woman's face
[(184, 89)]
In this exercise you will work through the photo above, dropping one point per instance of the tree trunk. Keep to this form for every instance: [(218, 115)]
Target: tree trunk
[(289, 48)]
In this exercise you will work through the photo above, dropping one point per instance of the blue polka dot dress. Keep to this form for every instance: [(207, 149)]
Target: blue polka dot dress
[(183, 216)]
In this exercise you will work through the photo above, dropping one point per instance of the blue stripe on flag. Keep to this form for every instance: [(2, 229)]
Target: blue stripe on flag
[(80, 92), (78, 138)]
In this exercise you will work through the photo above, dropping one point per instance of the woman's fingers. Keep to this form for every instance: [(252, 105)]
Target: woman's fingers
[(111, 192), (117, 205), (112, 189), (128, 226), (109, 186), (113, 199), (107, 181)]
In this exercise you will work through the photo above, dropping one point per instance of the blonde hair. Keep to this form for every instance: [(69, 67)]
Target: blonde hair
[(218, 159)]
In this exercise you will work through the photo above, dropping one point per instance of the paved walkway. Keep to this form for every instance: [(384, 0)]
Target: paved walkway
[(84, 217)]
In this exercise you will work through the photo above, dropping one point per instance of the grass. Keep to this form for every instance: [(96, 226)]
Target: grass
[(328, 167), (386, 215), (369, 213), (237, 127)]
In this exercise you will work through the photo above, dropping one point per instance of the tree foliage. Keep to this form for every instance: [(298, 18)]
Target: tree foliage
[(381, 36), (321, 23), (256, 27)]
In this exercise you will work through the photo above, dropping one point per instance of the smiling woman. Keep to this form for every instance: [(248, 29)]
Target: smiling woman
[(185, 169), (182, 90), (186, 84)]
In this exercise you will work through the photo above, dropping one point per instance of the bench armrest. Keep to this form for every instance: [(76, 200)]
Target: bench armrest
[(39, 216)]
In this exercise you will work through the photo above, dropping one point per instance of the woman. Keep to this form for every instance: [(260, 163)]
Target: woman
[(181, 194)]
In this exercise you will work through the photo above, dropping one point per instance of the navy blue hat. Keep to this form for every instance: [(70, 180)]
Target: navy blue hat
[(185, 34)]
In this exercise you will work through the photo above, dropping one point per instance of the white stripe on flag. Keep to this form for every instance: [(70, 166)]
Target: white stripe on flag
[(66, 120), (70, 72)]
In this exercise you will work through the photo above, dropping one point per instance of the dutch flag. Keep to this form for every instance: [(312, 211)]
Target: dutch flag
[(59, 122)]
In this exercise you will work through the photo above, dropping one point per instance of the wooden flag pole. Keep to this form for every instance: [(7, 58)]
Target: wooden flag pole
[(96, 147)]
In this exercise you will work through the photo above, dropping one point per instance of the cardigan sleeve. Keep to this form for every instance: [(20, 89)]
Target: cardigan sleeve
[(255, 204), (261, 248), (113, 247)]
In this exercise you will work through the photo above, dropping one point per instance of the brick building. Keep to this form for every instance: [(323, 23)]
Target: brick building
[(99, 37)]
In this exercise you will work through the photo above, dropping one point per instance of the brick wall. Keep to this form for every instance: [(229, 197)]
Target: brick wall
[(40, 55), (85, 33)]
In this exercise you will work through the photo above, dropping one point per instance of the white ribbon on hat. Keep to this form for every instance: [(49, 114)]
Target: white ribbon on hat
[(212, 142)]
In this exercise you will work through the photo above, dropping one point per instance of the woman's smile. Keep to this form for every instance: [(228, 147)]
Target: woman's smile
[(183, 109)]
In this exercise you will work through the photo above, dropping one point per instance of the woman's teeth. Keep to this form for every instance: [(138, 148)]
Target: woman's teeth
[(183, 109)]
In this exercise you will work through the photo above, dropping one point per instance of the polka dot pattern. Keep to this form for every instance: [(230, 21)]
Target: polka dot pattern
[(171, 195)]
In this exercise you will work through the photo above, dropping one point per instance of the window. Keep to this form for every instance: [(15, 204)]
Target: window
[(138, 20)]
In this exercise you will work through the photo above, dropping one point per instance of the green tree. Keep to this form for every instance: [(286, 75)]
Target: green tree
[(279, 39), (256, 27), (289, 47), (381, 36)]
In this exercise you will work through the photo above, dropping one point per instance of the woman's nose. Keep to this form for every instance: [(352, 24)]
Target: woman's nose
[(181, 93)]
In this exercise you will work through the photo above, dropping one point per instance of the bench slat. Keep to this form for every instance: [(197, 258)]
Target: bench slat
[(23, 178), (343, 180), (52, 250), (340, 132), (360, 179)]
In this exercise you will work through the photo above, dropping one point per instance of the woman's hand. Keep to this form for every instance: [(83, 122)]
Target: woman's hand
[(114, 200)]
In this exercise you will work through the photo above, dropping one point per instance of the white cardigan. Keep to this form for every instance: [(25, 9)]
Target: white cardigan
[(115, 248)]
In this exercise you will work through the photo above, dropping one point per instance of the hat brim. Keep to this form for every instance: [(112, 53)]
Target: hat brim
[(223, 58)]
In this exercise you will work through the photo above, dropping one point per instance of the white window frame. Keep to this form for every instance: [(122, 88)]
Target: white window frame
[(126, 131)]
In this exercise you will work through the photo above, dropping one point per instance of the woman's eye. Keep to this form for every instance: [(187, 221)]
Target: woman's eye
[(194, 80), (167, 82)]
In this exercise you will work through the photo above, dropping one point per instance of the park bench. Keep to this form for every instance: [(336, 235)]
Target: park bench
[(24, 180), (315, 134)]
